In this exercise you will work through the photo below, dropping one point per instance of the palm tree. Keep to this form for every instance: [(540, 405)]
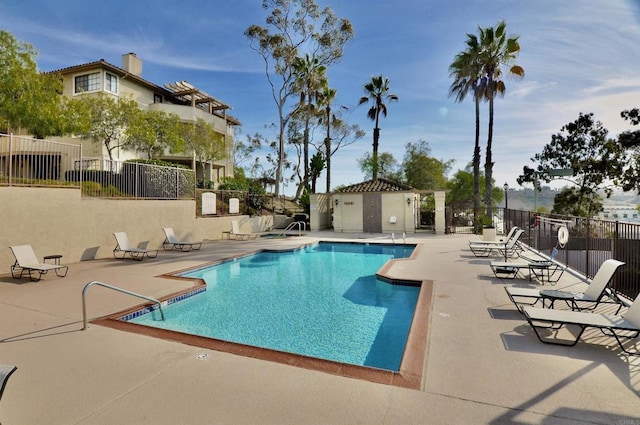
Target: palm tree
[(377, 91), (496, 50), (309, 78), (326, 96), (466, 72)]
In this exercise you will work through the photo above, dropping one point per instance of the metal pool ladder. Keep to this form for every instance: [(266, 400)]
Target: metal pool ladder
[(115, 288), (299, 225)]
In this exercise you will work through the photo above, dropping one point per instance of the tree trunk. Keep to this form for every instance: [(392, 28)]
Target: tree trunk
[(476, 166), (280, 156), (376, 137), (488, 165), (327, 150), (305, 177)]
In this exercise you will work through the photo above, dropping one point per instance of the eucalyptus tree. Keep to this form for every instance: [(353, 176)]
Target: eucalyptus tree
[(496, 50), (310, 77), (294, 27), (377, 91), (466, 72)]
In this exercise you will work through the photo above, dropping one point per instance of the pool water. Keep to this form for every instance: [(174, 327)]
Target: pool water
[(322, 301)]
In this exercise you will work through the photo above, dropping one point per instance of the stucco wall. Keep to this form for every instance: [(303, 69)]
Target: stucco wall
[(395, 205), (320, 211), (347, 215), (60, 221)]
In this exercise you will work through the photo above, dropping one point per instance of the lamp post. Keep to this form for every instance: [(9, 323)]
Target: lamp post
[(506, 207)]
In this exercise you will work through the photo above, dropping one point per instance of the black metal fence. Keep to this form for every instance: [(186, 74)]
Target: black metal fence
[(590, 243)]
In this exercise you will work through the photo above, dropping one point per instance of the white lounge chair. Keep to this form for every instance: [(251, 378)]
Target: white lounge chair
[(124, 248), (587, 300), (171, 242), (237, 234), (625, 326), (5, 372), (501, 241), (545, 269), (27, 262), (508, 248)]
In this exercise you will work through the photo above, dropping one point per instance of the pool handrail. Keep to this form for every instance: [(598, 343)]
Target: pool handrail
[(300, 225), (115, 288)]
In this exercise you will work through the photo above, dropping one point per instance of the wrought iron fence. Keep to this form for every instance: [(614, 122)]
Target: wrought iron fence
[(26, 161), (590, 243)]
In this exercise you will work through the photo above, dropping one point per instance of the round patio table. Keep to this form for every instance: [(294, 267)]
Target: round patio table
[(553, 295)]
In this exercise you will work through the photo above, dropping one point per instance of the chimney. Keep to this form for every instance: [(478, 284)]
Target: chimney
[(132, 64)]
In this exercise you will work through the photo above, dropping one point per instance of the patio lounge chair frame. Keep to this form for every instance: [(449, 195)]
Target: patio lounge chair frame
[(548, 271), (509, 248), (124, 248), (543, 269), (236, 234), (500, 241), (171, 242), (588, 300), (27, 262), (5, 372), (626, 326)]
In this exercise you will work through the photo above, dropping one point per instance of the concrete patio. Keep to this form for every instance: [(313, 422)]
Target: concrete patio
[(483, 364)]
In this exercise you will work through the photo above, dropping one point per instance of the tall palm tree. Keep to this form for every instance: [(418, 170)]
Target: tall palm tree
[(496, 50), (310, 77), (466, 72), (377, 91), (326, 96)]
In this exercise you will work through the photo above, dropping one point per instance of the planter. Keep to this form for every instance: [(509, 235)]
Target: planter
[(488, 233)]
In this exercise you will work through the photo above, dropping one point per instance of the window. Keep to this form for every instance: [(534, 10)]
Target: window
[(87, 82), (111, 83), (157, 98)]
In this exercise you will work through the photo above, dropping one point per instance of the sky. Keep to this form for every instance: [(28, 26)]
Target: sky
[(581, 56)]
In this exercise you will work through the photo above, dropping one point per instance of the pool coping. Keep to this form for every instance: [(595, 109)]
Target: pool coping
[(413, 359)]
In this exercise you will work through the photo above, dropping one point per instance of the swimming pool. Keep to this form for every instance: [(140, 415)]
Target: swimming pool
[(322, 301)]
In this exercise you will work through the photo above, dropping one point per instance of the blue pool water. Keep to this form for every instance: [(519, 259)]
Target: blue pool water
[(322, 301)]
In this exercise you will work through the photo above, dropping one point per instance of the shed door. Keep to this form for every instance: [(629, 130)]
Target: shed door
[(372, 213)]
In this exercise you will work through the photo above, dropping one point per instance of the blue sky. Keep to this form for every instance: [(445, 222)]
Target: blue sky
[(579, 56)]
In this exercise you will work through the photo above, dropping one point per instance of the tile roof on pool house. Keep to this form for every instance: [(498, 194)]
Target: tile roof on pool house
[(377, 185)]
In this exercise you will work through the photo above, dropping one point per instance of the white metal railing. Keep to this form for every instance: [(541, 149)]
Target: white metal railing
[(125, 179), (300, 225), (115, 288), (25, 161)]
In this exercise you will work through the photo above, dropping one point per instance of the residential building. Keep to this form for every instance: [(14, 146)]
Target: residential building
[(180, 98), (627, 213)]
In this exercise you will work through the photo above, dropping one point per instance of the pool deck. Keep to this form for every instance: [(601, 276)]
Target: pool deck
[(483, 364)]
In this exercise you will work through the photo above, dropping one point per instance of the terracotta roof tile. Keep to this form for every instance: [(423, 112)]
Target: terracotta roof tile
[(378, 185)]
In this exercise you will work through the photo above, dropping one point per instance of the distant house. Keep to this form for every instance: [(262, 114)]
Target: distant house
[(624, 213), (180, 98)]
